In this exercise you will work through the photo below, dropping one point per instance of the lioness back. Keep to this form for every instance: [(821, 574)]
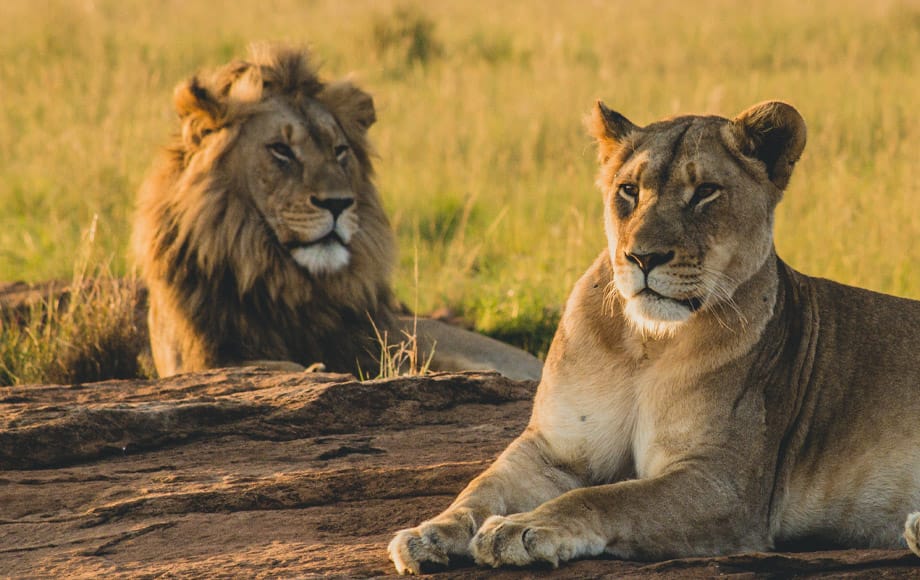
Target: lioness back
[(700, 396), (856, 472)]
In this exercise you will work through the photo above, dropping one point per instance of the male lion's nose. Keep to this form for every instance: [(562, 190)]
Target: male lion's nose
[(648, 262), (335, 205)]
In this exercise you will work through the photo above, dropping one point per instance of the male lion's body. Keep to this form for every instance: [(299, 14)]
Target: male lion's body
[(262, 238), (700, 397)]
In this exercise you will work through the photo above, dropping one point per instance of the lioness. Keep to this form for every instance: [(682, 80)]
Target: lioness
[(700, 396), (263, 240)]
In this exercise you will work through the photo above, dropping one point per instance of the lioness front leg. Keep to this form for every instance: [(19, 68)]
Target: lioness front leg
[(674, 515), (521, 479)]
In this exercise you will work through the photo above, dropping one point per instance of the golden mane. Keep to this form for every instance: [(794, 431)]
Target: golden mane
[(223, 290)]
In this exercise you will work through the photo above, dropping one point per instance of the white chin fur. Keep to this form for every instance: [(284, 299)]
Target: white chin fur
[(322, 258), (655, 317)]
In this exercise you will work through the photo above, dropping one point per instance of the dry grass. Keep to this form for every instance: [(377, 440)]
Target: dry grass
[(484, 163), (401, 356), (90, 332)]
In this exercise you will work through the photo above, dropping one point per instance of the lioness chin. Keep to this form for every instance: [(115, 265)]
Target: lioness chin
[(700, 396)]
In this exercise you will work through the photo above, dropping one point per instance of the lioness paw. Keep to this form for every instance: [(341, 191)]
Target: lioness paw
[(523, 539), (416, 550), (410, 549), (912, 532), (501, 541)]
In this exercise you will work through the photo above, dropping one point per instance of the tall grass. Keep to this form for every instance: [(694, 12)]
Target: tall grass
[(483, 160), (89, 330)]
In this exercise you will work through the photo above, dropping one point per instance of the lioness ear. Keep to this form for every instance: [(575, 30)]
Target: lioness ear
[(199, 111), (609, 129), (352, 107), (774, 133)]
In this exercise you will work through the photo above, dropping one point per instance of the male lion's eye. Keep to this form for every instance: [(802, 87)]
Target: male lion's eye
[(629, 192), (341, 154), (705, 193), (281, 152)]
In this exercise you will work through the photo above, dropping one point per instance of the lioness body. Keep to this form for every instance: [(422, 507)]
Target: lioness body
[(262, 238), (701, 397)]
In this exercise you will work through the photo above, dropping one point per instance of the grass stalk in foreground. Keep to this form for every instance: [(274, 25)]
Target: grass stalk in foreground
[(403, 358)]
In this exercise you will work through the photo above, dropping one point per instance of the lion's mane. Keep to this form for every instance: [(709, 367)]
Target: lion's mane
[(222, 289)]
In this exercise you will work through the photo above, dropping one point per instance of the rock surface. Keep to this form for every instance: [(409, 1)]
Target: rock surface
[(248, 473)]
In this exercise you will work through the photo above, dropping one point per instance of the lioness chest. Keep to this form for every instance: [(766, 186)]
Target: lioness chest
[(613, 407), (613, 419)]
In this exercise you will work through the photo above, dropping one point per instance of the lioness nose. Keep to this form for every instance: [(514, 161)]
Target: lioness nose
[(335, 205), (648, 262)]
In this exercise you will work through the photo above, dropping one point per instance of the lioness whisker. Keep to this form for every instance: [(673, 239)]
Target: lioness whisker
[(610, 295)]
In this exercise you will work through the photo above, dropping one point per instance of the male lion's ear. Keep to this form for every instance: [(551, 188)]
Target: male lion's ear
[(774, 133), (609, 128), (352, 107), (199, 111)]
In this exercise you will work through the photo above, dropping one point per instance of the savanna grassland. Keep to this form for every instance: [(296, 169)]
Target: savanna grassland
[(484, 163)]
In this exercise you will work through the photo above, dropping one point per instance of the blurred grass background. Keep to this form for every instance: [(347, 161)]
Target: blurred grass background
[(484, 163)]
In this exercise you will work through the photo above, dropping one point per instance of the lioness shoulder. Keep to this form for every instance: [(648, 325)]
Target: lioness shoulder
[(700, 396)]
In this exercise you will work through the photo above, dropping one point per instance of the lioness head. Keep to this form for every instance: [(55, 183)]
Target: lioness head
[(688, 205)]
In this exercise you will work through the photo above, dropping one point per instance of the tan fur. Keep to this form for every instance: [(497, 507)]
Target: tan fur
[(262, 238), (745, 406)]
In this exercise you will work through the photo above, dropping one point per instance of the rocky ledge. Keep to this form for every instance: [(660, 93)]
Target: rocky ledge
[(248, 473)]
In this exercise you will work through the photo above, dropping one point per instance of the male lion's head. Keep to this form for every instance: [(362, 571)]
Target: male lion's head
[(294, 147), (689, 206), (261, 233)]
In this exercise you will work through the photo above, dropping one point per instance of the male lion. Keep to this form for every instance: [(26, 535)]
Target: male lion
[(261, 236), (700, 396)]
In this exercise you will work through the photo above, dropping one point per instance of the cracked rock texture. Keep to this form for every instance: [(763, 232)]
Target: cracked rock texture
[(248, 473)]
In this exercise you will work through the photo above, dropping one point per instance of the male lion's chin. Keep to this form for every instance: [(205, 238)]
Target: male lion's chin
[(322, 259), (657, 316)]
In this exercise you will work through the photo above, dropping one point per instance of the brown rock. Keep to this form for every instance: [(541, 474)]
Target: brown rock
[(247, 473)]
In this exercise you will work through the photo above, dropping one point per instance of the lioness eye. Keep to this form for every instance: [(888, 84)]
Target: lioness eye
[(705, 192), (629, 192), (341, 153), (281, 152)]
